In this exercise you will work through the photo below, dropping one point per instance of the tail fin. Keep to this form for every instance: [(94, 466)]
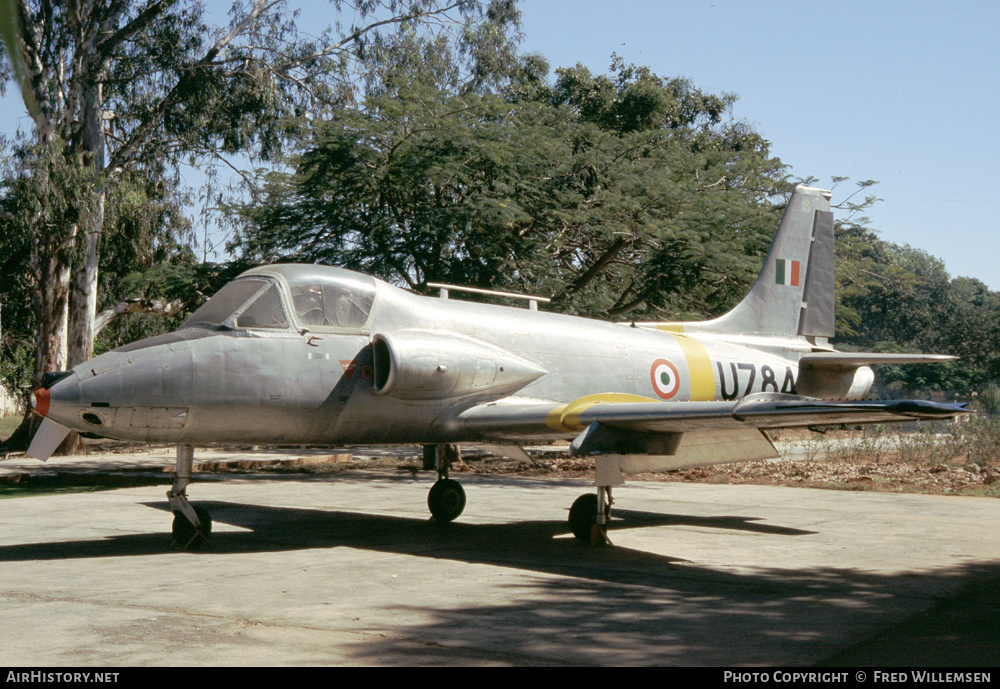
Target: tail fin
[(793, 294)]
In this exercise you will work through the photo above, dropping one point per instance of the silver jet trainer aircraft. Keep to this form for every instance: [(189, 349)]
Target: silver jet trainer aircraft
[(303, 354)]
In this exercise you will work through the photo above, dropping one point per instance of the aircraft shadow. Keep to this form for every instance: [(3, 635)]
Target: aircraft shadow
[(632, 519), (544, 546)]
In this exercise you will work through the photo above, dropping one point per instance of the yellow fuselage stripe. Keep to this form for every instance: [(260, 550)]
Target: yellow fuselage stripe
[(699, 368)]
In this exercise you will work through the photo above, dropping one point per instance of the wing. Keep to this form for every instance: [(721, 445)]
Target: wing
[(656, 436), (852, 360)]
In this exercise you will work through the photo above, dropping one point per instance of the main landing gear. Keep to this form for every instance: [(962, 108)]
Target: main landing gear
[(446, 499), (588, 517), (192, 525)]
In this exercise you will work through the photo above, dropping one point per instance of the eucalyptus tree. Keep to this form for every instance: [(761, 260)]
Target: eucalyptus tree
[(115, 87)]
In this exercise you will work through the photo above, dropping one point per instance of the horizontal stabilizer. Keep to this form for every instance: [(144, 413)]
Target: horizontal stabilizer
[(846, 375), (48, 437)]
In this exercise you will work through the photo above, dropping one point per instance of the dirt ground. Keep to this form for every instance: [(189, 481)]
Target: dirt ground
[(863, 464), (868, 464), (840, 460), (887, 476)]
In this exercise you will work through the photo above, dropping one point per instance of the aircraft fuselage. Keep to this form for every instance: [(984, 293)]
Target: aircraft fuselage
[(303, 385)]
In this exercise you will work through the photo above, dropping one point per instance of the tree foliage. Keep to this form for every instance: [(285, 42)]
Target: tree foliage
[(908, 302), (613, 195), (115, 87)]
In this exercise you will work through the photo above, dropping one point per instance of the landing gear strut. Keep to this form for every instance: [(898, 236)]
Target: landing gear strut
[(446, 499), (192, 525), (588, 517)]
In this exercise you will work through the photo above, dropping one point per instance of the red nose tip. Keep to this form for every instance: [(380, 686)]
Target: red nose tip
[(40, 401)]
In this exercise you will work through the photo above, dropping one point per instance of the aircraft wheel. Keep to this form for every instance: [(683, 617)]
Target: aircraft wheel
[(583, 516), (446, 500), (186, 535)]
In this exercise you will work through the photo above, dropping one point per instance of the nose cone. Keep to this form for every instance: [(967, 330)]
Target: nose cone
[(40, 401), (41, 398), (69, 397), (137, 394), (59, 397)]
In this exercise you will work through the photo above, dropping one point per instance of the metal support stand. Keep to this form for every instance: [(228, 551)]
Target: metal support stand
[(430, 457)]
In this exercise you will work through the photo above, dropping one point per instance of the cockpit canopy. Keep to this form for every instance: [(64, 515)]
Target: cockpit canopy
[(319, 297)]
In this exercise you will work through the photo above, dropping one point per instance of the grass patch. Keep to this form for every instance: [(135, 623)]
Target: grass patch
[(9, 424), (61, 484), (36, 488)]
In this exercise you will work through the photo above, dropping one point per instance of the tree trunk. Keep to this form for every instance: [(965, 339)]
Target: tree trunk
[(83, 305), (50, 256), (52, 309)]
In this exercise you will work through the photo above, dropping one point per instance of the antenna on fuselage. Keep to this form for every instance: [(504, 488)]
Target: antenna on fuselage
[(532, 300)]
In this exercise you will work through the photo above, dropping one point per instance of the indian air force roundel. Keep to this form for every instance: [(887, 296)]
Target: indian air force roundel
[(666, 380)]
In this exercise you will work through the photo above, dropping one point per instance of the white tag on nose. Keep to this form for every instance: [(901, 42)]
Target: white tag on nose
[(47, 439)]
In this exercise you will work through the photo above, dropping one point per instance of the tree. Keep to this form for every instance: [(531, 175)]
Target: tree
[(638, 200), (414, 188), (970, 329), (901, 299), (114, 86), (18, 343)]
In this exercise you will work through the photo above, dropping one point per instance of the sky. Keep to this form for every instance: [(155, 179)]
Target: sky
[(905, 93)]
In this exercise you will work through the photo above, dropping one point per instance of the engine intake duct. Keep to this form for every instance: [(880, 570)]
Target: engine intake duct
[(432, 365)]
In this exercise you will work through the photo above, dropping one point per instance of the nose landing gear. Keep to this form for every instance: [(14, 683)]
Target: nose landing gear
[(192, 525)]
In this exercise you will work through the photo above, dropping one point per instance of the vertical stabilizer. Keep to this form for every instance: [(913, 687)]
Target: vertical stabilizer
[(794, 293)]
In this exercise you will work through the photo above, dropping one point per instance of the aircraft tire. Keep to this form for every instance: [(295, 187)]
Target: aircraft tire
[(446, 500), (186, 535), (583, 516)]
